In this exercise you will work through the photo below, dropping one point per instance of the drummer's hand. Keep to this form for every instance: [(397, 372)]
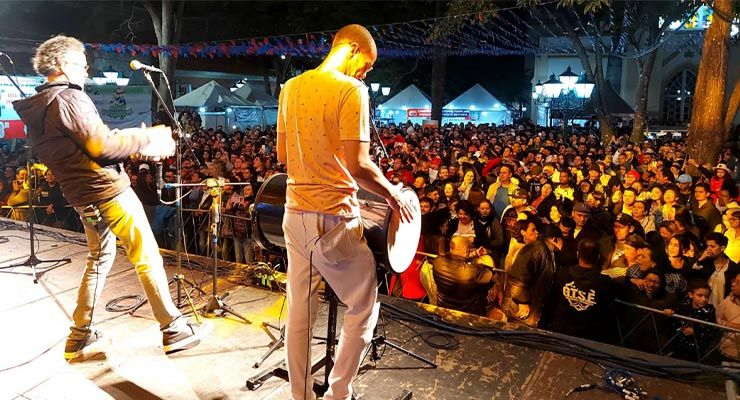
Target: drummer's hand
[(523, 311), (399, 204)]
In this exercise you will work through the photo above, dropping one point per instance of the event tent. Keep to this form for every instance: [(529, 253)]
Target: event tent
[(410, 104), (477, 105), (211, 96), (259, 97), (218, 106)]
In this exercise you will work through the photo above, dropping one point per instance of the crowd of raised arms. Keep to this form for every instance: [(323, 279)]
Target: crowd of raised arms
[(573, 222)]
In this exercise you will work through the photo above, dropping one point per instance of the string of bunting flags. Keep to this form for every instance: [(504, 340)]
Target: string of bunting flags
[(506, 32)]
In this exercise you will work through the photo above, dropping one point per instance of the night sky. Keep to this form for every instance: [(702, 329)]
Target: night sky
[(24, 23)]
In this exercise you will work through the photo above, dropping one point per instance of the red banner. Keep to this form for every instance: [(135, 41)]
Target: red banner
[(12, 129)]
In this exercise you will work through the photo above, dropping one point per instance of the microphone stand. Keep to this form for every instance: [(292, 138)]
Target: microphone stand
[(32, 261), (215, 186), (177, 278)]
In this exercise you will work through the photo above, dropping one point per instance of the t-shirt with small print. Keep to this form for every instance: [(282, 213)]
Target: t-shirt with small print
[(317, 110)]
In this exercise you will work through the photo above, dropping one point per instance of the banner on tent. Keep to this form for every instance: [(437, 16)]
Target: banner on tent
[(122, 106), (11, 126), (427, 113), (247, 116)]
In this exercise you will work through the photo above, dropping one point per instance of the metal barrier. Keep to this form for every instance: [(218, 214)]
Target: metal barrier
[(668, 332), (194, 229)]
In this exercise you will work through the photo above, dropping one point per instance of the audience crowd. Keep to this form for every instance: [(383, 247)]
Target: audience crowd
[(525, 223)]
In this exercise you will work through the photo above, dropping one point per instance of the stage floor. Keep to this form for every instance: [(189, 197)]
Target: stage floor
[(129, 363)]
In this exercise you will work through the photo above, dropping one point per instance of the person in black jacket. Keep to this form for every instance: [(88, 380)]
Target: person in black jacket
[(86, 157), (583, 296), (715, 267), (531, 277)]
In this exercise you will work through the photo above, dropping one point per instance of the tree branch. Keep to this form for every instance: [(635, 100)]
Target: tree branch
[(156, 20), (732, 107)]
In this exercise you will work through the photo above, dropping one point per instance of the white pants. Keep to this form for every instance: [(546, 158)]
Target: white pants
[(332, 247)]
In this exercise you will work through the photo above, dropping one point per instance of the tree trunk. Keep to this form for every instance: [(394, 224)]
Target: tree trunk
[(168, 28), (282, 66), (614, 72), (596, 75), (439, 70), (707, 132), (645, 65)]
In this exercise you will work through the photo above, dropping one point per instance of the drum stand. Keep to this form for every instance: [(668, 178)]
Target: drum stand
[(326, 362)]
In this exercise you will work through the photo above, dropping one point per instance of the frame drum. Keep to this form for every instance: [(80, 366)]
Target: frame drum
[(392, 242)]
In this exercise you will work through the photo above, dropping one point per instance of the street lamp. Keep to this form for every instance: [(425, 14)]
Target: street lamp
[(584, 87), (552, 87), (375, 87), (565, 95), (110, 77), (385, 90), (568, 78), (110, 73)]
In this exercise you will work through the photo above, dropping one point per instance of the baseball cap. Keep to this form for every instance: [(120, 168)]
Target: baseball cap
[(520, 193), (625, 219), (684, 178), (143, 167), (581, 207)]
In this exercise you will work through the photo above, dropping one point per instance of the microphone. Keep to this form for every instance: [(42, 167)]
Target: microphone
[(160, 182), (136, 65)]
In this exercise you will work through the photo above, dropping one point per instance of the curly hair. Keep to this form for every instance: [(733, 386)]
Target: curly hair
[(50, 54)]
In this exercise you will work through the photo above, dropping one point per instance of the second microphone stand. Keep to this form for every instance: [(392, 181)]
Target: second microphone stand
[(216, 304)]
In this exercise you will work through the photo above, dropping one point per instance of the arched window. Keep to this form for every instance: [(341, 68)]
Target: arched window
[(677, 97)]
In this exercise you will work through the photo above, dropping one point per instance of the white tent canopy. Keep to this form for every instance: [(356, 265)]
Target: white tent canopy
[(477, 105), (211, 95), (409, 104), (257, 96)]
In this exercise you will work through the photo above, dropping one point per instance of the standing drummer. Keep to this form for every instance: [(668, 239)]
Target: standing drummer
[(324, 139)]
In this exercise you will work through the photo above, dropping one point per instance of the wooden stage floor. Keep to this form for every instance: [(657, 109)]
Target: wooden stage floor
[(129, 363)]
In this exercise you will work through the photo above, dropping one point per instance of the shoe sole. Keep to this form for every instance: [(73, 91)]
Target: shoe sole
[(184, 344)]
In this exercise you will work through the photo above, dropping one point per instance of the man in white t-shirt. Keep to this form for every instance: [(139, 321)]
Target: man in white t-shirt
[(324, 140)]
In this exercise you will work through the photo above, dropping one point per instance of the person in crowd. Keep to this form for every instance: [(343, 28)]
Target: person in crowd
[(499, 193), (694, 340), (531, 277), (545, 200), (728, 314), (19, 197), (493, 229), (685, 192), (677, 269), (732, 233), (727, 199), (641, 215), (613, 247), (670, 200), (715, 267), (648, 334), (49, 194), (583, 296), (704, 208)]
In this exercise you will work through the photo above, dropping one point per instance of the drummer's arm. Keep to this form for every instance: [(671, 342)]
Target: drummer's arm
[(364, 170), (282, 154)]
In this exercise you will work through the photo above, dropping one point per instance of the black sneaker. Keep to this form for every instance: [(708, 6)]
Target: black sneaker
[(187, 338), (74, 347)]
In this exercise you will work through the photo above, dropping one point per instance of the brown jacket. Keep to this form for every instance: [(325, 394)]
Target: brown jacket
[(71, 139)]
